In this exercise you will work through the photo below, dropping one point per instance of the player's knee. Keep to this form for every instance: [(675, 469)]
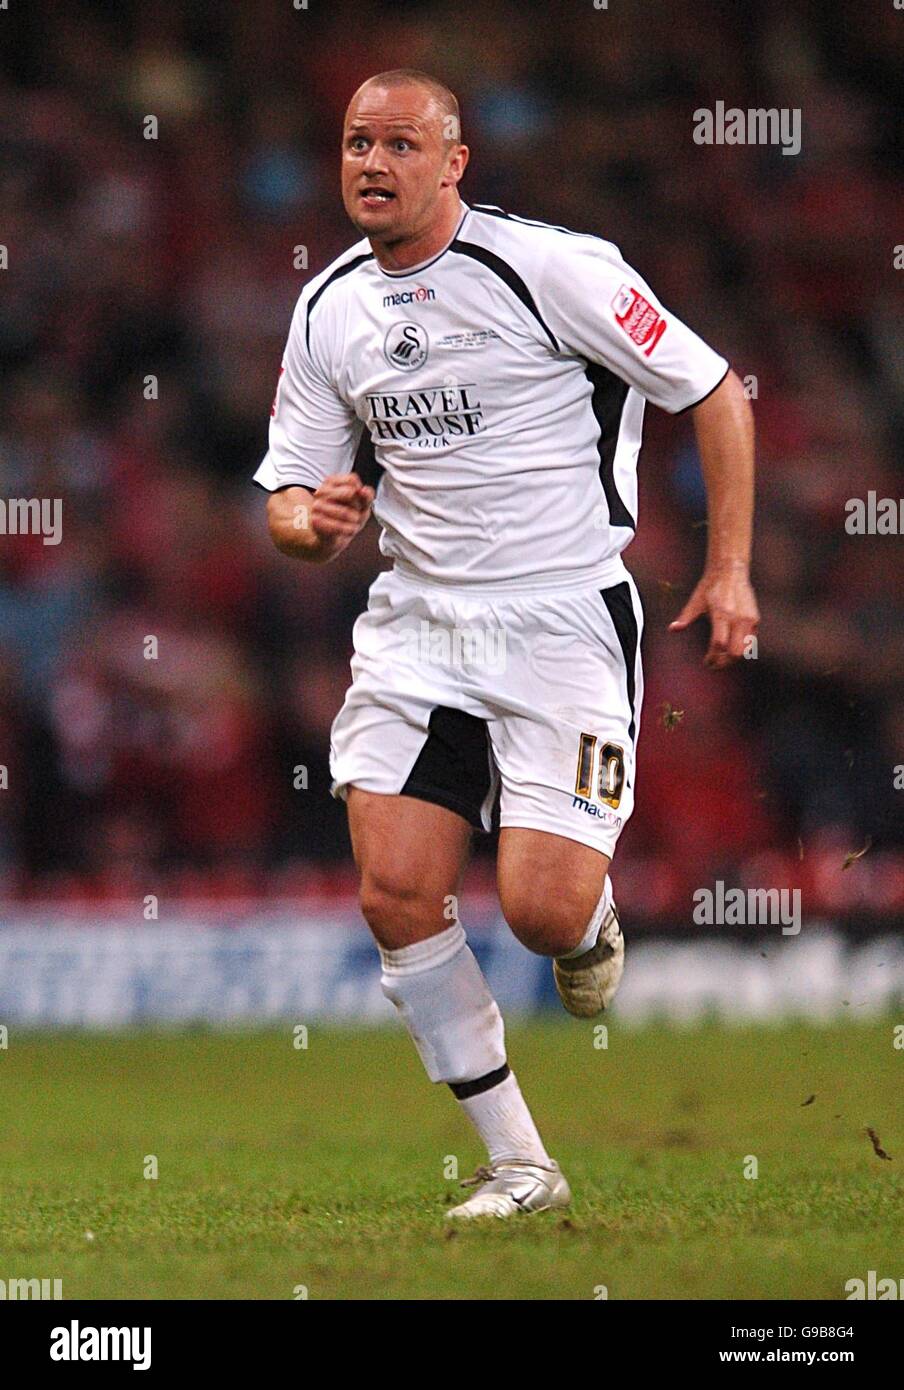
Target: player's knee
[(548, 926), (384, 903), (397, 910)]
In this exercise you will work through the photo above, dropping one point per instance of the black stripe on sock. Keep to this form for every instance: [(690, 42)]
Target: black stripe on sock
[(463, 1090)]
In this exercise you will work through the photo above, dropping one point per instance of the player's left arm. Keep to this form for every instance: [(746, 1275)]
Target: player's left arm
[(601, 308), (724, 428)]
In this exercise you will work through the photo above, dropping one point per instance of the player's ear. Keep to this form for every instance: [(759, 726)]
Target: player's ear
[(456, 165)]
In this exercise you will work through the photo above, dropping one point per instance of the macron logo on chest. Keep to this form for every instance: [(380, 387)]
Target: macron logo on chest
[(418, 295)]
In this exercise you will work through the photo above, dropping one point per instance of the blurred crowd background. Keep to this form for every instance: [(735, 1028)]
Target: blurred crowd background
[(173, 258)]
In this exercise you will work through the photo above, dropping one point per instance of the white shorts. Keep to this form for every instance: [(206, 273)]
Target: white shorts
[(465, 700)]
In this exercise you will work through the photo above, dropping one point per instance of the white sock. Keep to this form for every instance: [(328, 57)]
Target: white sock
[(504, 1123), (445, 1002), (455, 1024), (588, 940)]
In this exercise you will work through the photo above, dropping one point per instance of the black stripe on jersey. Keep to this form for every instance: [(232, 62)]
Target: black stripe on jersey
[(492, 211), (608, 402), (509, 276), (336, 275), (365, 461), (621, 611)]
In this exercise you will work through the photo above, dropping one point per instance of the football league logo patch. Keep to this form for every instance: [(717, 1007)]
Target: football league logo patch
[(643, 324)]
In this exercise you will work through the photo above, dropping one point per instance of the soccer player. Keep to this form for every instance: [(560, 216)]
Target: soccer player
[(501, 367)]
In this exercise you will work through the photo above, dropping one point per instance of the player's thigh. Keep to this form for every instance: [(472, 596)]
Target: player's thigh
[(563, 737), (411, 856), (549, 887)]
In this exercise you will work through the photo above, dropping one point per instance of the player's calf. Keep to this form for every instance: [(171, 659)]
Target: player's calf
[(588, 951)]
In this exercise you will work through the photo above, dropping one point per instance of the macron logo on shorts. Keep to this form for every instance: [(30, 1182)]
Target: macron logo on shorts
[(643, 324)]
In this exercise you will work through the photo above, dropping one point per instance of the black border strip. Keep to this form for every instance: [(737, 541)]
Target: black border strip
[(608, 405), (336, 275), (463, 1090), (693, 405), (271, 491), (491, 210), (621, 611), (435, 796), (508, 276)]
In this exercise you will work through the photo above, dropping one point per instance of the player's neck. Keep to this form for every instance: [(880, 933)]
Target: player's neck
[(404, 255)]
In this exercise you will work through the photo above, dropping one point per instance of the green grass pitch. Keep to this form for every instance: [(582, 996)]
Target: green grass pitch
[(326, 1167)]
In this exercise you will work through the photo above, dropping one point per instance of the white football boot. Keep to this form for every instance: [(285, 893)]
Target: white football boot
[(587, 983), (512, 1186)]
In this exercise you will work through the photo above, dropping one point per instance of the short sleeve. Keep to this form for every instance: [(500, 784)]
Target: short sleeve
[(313, 431), (600, 308)]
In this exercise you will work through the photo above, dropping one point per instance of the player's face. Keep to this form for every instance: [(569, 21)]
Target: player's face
[(396, 162)]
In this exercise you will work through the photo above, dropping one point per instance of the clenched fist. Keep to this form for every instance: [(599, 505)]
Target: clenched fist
[(318, 526)]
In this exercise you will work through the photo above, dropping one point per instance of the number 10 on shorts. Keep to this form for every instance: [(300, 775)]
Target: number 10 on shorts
[(611, 774)]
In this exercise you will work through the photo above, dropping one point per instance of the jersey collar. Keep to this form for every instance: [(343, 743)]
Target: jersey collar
[(423, 265)]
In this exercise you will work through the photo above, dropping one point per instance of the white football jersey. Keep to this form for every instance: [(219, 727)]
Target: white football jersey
[(503, 385)]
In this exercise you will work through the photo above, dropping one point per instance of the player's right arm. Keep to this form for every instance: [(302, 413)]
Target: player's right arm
[(317, 526), (317, 505)]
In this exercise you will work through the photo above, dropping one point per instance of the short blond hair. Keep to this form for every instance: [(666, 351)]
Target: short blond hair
[(413, 77)]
